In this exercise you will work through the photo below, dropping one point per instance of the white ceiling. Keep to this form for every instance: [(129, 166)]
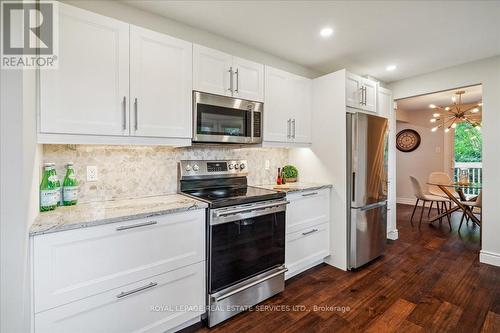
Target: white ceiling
[(472, 95), (417, 36)]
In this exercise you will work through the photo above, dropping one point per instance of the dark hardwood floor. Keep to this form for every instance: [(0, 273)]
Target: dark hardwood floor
[(429, 280)]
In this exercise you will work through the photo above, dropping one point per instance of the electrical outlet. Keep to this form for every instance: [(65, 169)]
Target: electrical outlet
[(267, 165), (91, 173)]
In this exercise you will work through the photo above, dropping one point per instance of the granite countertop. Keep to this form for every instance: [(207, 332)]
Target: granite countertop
[(295, 187), (98, 213)]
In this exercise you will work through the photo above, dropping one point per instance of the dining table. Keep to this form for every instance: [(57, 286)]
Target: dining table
[(460, 188)]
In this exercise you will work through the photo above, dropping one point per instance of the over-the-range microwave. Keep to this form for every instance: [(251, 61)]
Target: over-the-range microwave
[(222, 119)]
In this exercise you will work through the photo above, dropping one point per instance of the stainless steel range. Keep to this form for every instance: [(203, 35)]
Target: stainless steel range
[(245, 236)]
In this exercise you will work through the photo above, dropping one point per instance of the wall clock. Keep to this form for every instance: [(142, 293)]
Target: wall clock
[(407, 140)]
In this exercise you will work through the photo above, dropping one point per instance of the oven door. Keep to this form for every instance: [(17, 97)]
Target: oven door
[(226, 119), (245, 241)]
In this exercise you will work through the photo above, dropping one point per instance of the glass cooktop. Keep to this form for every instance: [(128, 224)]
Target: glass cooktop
[(228, 196)]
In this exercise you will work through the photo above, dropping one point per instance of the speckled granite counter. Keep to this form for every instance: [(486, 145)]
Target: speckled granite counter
[(295, 187), (98, 213)]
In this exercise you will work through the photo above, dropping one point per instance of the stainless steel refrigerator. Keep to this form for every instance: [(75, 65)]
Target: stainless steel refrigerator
[(367, 186)]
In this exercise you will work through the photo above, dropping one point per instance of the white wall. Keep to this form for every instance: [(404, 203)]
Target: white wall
[(487, 73), (180, 30), (325, 161), (19, 156), (420, 162)]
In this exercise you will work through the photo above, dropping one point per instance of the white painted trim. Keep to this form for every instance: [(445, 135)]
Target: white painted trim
[(490, 258), (276, 144), (294, 271), (392, 234), (188, 323), (110, 140)]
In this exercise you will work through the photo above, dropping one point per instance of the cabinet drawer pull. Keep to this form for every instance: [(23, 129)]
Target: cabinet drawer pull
[(309, 232), (143, 224), (133, 291), (309, 194), (124, 116)]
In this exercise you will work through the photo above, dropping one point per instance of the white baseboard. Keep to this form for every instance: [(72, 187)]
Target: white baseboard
[(392, 234), (490, 258)]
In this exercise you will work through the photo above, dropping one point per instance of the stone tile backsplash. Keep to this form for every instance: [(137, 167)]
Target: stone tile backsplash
[(139, 171)]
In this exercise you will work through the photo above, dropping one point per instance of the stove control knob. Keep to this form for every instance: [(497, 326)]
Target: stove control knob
[(188, 167), (242, 166), (231, 166), (196, 167), (236, 166)]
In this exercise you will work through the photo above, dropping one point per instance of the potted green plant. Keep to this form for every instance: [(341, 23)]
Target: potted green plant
[(290, 173)]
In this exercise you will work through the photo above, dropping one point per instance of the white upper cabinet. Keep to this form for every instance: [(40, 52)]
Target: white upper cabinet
[(276, 106), (361, 93), (212, 70), (88, 93), (220, 73), (160, 85), (248, 79), (301, 108), (287, 108)]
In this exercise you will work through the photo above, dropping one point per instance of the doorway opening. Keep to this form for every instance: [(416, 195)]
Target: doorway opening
[(439, 142)]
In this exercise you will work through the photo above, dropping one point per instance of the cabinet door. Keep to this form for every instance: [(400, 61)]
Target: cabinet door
[(76, 264), (307, 209), (248, 79), (156, 304), (160, 85), (301, 98), (88, 93), (353, 90), (277, 116), (211, 71), (370, 98)]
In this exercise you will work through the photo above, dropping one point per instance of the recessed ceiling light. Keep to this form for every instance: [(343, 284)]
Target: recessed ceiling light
[(390, 68), (326, 32)]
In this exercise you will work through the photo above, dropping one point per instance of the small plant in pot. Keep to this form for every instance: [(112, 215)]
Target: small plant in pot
[(290, 173)]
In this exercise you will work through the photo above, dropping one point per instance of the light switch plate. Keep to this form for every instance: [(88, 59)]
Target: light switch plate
[(92, 173), (267, 165)]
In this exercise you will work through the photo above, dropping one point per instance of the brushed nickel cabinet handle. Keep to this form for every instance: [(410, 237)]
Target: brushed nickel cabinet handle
[(133, 291), (124, 110), (309, 194), (231, 79), (132, 226), (237, 90), (293, 126), (136, 126), (309, 232), (288, 128)]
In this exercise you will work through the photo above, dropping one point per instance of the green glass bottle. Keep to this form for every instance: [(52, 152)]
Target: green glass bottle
[(70, 186), (57, 182), (48, 191)]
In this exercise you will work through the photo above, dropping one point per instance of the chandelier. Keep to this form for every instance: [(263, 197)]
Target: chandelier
[(448, 117)]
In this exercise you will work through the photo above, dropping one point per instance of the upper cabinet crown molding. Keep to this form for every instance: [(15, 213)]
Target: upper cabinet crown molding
[(220, 73), (361, 93)]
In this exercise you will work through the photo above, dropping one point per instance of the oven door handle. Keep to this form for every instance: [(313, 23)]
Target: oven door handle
[(251, 208), (235, 291)]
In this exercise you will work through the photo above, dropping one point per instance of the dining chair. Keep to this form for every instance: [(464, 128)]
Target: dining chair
[(425, 197), (478, 203)]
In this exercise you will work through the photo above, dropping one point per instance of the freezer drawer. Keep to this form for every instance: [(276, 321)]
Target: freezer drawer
[(368, 229)]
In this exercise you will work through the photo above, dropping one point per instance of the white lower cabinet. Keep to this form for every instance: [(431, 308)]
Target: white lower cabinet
[(307, 230), (156, 304), (106, 278)]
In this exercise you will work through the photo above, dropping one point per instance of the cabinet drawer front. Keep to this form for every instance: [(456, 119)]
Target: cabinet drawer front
[(306, 246), (307, 209), (155, 304), (71, 265)]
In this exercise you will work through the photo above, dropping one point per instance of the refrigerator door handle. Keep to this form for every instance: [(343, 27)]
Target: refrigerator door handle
[(353, 186), (374, 205)]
